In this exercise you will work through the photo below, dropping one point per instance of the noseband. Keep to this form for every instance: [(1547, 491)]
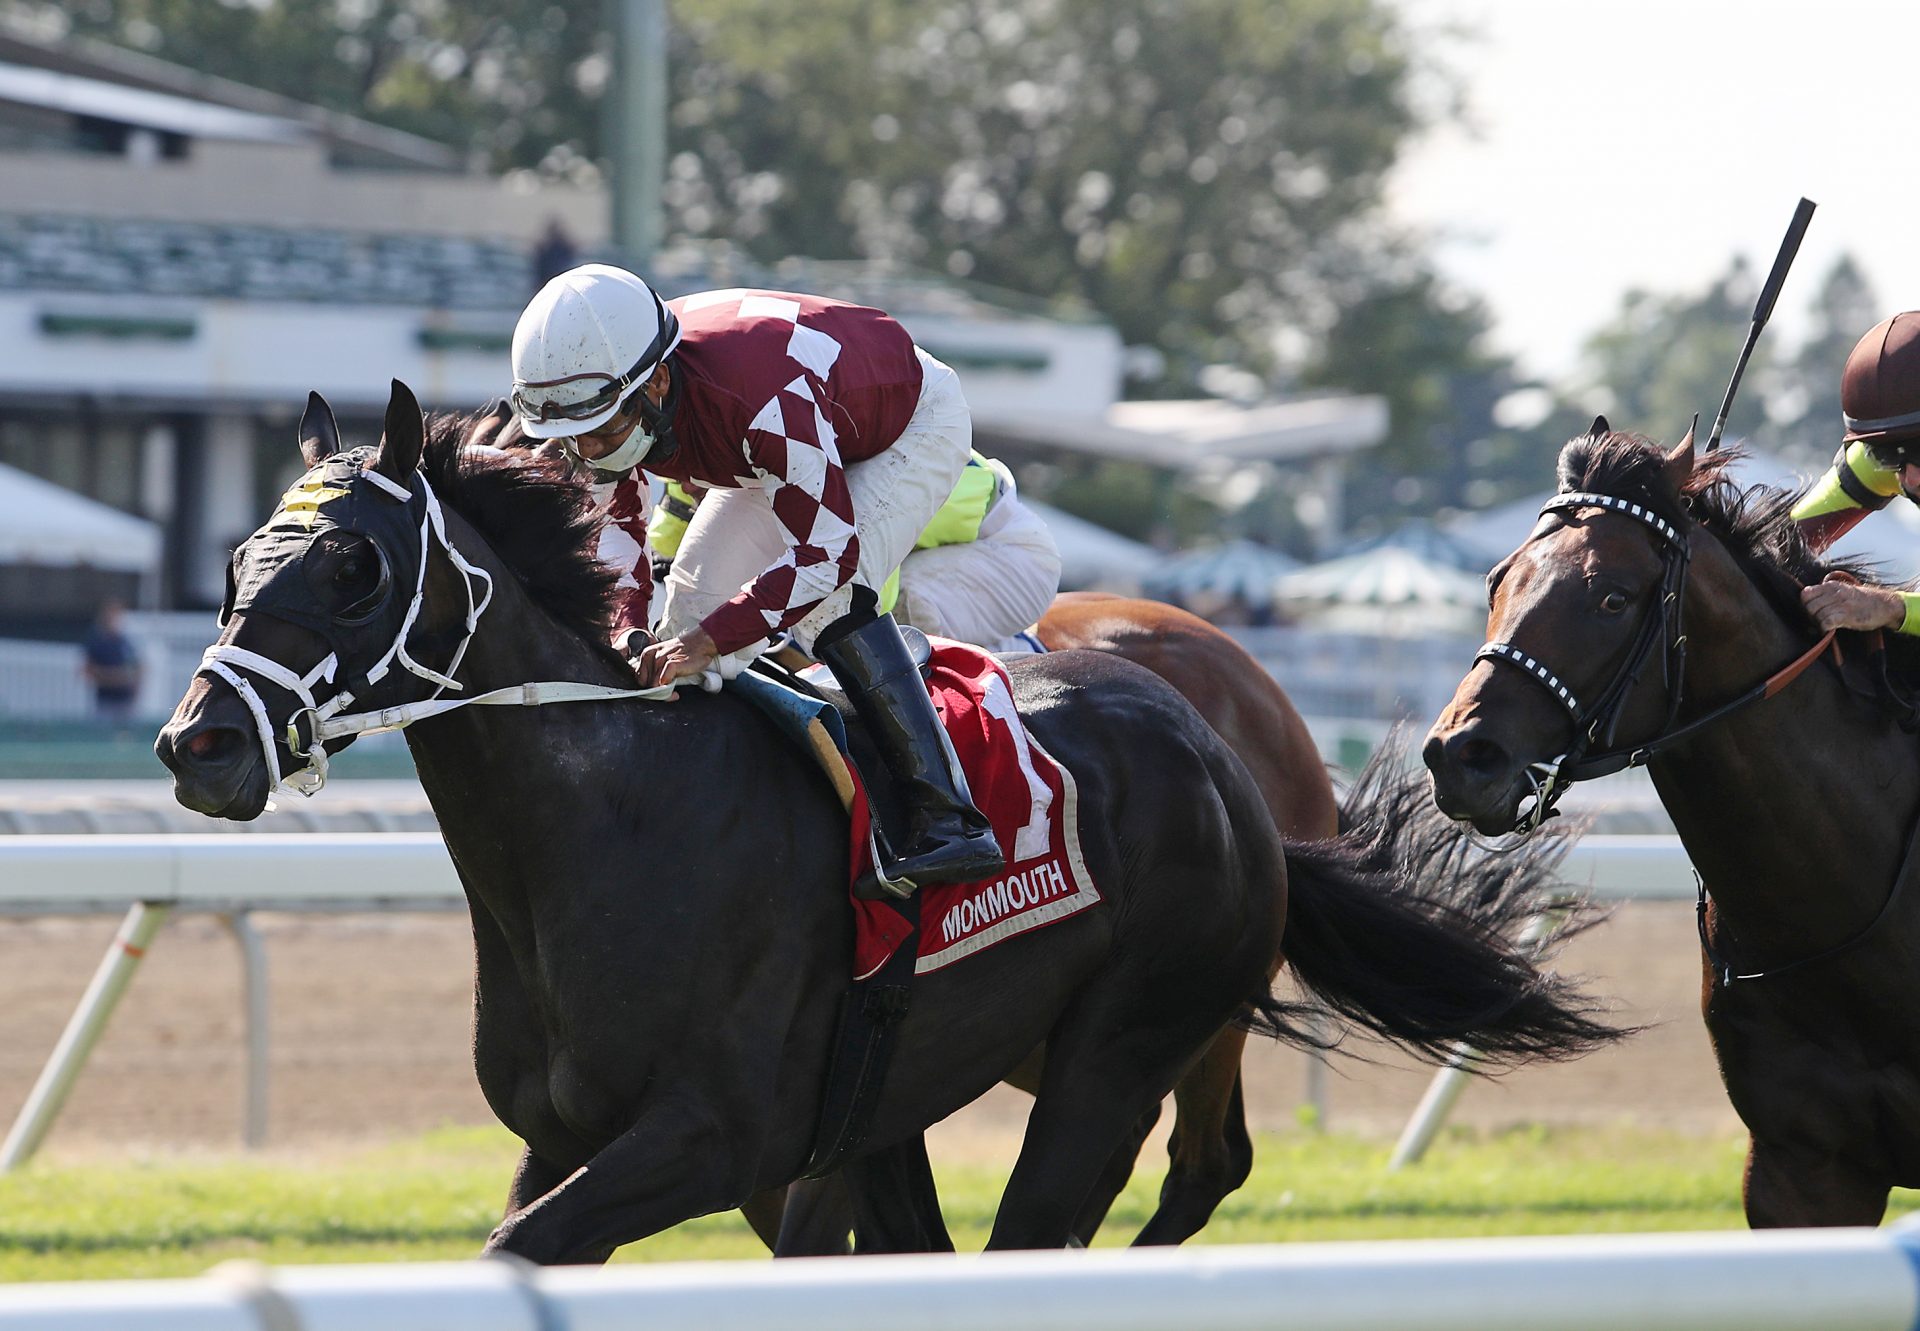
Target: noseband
[(1594, 724)]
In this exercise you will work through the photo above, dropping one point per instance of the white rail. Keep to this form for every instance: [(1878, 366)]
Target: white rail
[(231, 875), (1836, 1280)]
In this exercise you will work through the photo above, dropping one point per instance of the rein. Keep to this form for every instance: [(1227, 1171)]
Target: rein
[(329, 720), (1595, 725)]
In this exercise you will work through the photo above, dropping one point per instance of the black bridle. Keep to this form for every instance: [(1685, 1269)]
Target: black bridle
[(1594, 725)]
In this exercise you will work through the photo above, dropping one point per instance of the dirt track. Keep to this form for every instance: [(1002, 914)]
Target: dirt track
[(371, 1026)]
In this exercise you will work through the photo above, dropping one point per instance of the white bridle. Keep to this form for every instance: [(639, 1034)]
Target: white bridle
[(331, 720)]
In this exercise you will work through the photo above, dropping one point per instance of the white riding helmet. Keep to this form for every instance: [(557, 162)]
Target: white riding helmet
[(590, 338)]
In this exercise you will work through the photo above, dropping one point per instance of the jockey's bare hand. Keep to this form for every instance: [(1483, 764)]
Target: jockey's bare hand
[(688, 656), (1848, 605)]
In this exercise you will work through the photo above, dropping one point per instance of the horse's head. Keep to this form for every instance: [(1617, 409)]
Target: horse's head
[(1583, 630), (321, 602)]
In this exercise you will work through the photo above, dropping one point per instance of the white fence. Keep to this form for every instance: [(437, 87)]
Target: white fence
[(230, 876), (1834, 1280)]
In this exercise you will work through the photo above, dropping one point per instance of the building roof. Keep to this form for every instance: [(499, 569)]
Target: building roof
[(1184, 433), (100, 100), (350, 141)]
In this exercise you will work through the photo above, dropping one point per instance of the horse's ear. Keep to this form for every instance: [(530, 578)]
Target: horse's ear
[(402, 437), (1679, 463), (319, 433), (1599, 429)]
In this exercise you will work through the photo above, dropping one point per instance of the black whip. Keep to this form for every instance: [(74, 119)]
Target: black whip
[(1763, 310)]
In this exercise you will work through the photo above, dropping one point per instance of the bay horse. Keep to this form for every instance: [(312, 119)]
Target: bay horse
[(1210, 1151), (657, 890), (1798, 813)]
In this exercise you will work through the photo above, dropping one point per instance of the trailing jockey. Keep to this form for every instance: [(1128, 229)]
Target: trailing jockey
[(1879, 460), (826, 440)]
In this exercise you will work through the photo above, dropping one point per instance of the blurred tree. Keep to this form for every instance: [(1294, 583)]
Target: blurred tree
[(1198, 171), (1663, 358), (1805, 402), (1455, 440)]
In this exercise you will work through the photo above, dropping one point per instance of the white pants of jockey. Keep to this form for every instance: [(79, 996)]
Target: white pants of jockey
[(734, 536), (988, 590)]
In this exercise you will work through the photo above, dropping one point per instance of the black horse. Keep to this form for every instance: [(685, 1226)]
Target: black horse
[(657, 891)]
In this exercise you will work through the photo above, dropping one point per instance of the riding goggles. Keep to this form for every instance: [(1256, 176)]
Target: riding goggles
[(580, 397)]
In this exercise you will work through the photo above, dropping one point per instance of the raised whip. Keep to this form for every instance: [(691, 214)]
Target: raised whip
[(1763, 310)]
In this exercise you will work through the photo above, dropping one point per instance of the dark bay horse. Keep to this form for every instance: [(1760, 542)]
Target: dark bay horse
[(1210, 1152), (1798, 810), (657, 890)]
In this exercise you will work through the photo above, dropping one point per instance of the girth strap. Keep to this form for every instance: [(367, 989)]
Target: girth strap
[(869, 1027)]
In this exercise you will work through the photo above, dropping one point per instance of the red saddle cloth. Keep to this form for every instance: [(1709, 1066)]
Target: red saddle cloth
[(1029, 798)]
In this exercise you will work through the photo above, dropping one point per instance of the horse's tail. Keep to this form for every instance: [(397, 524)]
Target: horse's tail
[(1404, 927)]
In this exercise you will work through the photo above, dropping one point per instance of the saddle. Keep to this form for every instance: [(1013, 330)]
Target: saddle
[(790, 668)]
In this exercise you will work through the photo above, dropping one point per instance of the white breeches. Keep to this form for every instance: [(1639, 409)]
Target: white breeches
[(987, 590), (734, 535)]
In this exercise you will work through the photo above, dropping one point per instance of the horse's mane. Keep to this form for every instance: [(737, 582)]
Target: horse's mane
[(536, 516), (1754, 522)]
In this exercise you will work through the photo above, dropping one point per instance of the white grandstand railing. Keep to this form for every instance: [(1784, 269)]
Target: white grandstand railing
[(1784, 1280), (230, 876)]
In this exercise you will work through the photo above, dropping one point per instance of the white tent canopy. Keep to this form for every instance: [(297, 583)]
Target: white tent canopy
[(1386, 589), (48, 524), (1243, 569)]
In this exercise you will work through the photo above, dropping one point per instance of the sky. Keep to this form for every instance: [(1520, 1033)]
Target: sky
[(1643, 143)]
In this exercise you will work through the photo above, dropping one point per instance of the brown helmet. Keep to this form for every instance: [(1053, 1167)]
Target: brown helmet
[(1880, 388)]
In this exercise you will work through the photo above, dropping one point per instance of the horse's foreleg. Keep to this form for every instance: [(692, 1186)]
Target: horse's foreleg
[(1210, 1152), (763, 1212), (1791, 1187), (676, 1162), (533, 1178), (895, 1205), (817, 1220)]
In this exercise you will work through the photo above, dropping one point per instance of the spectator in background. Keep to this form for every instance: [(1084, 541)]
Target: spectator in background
[(553, 254), (111, 665)]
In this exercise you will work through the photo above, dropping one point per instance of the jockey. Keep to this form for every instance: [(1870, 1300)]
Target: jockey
[(826, 441), (1879, 459), (984, 570)]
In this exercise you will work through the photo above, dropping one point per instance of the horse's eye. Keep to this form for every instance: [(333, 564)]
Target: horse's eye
[(1614, 603), (352, 569)]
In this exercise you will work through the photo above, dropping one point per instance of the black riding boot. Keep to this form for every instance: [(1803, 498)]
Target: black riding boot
[(950, 841)]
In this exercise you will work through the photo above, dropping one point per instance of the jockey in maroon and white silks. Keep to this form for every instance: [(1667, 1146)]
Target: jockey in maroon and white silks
[(820, 415)]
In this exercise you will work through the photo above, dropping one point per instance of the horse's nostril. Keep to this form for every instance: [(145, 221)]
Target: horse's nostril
[(212, 744), (1480, 756)]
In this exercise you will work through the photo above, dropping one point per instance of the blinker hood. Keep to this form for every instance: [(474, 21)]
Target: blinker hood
[(277, 578)]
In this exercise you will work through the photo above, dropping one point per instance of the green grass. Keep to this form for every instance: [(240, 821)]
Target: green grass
[(436, 1198)]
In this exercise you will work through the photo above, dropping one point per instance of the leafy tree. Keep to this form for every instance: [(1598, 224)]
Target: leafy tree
[(1805, 402), (1663, 358), (1425, 347), (1193, 169)]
